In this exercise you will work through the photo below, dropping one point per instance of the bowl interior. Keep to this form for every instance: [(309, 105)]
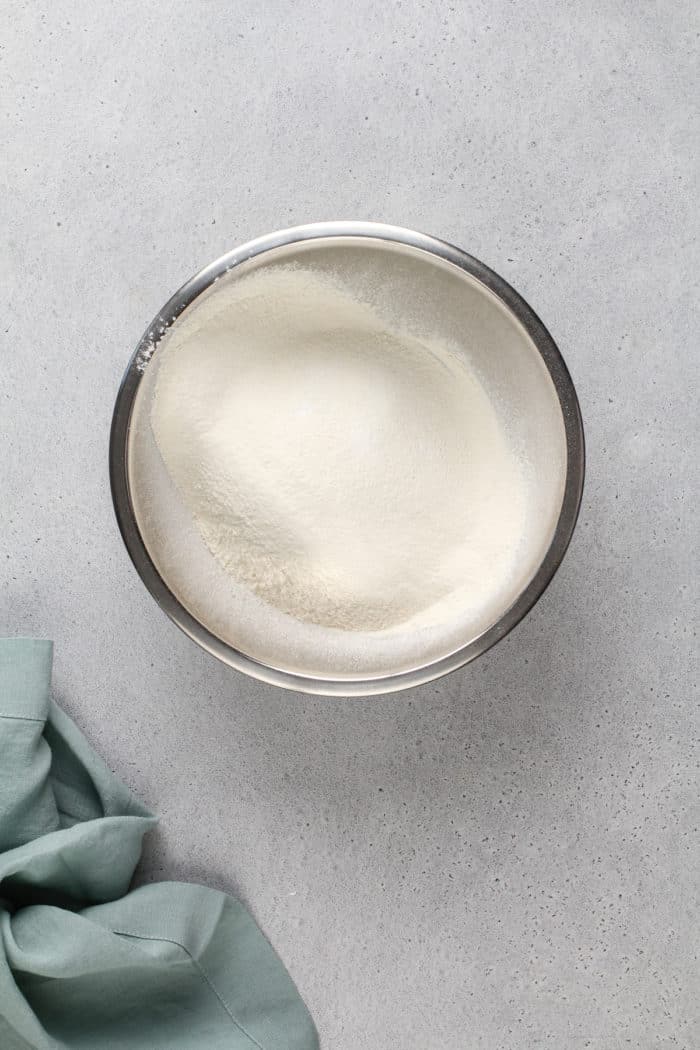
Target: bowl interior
[(431, 298)]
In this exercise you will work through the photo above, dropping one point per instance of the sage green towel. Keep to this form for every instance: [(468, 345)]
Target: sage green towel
[(83, 962)]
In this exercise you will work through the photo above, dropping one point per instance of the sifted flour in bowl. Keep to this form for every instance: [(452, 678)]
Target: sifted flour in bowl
[(348, 474)]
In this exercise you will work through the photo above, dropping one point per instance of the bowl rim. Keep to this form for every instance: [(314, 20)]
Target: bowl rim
[(371, 685)]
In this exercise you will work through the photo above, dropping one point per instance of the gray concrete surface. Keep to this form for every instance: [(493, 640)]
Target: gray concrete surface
[(506, 859)]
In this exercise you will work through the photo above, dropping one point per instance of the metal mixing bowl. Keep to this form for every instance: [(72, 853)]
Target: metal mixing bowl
[(408, 249)]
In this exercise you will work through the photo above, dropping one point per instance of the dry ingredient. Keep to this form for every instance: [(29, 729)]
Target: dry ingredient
[(347, 473)]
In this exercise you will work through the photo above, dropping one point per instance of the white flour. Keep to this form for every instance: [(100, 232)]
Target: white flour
[(348, 474)]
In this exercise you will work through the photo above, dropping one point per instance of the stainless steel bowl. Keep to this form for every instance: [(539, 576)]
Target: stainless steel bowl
[(416, 249)]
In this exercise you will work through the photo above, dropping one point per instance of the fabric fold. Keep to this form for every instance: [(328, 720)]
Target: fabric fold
[(85, 964)]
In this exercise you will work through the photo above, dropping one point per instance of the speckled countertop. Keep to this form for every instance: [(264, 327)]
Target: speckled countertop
[(507, 859)]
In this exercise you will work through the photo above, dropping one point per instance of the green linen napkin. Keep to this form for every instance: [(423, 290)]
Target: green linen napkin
[(83, 962)]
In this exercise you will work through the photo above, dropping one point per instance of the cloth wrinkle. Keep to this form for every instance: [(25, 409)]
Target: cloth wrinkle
[(75, 969), (196, 963)]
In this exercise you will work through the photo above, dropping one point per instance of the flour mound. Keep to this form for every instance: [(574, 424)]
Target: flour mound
[(347, 473)]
